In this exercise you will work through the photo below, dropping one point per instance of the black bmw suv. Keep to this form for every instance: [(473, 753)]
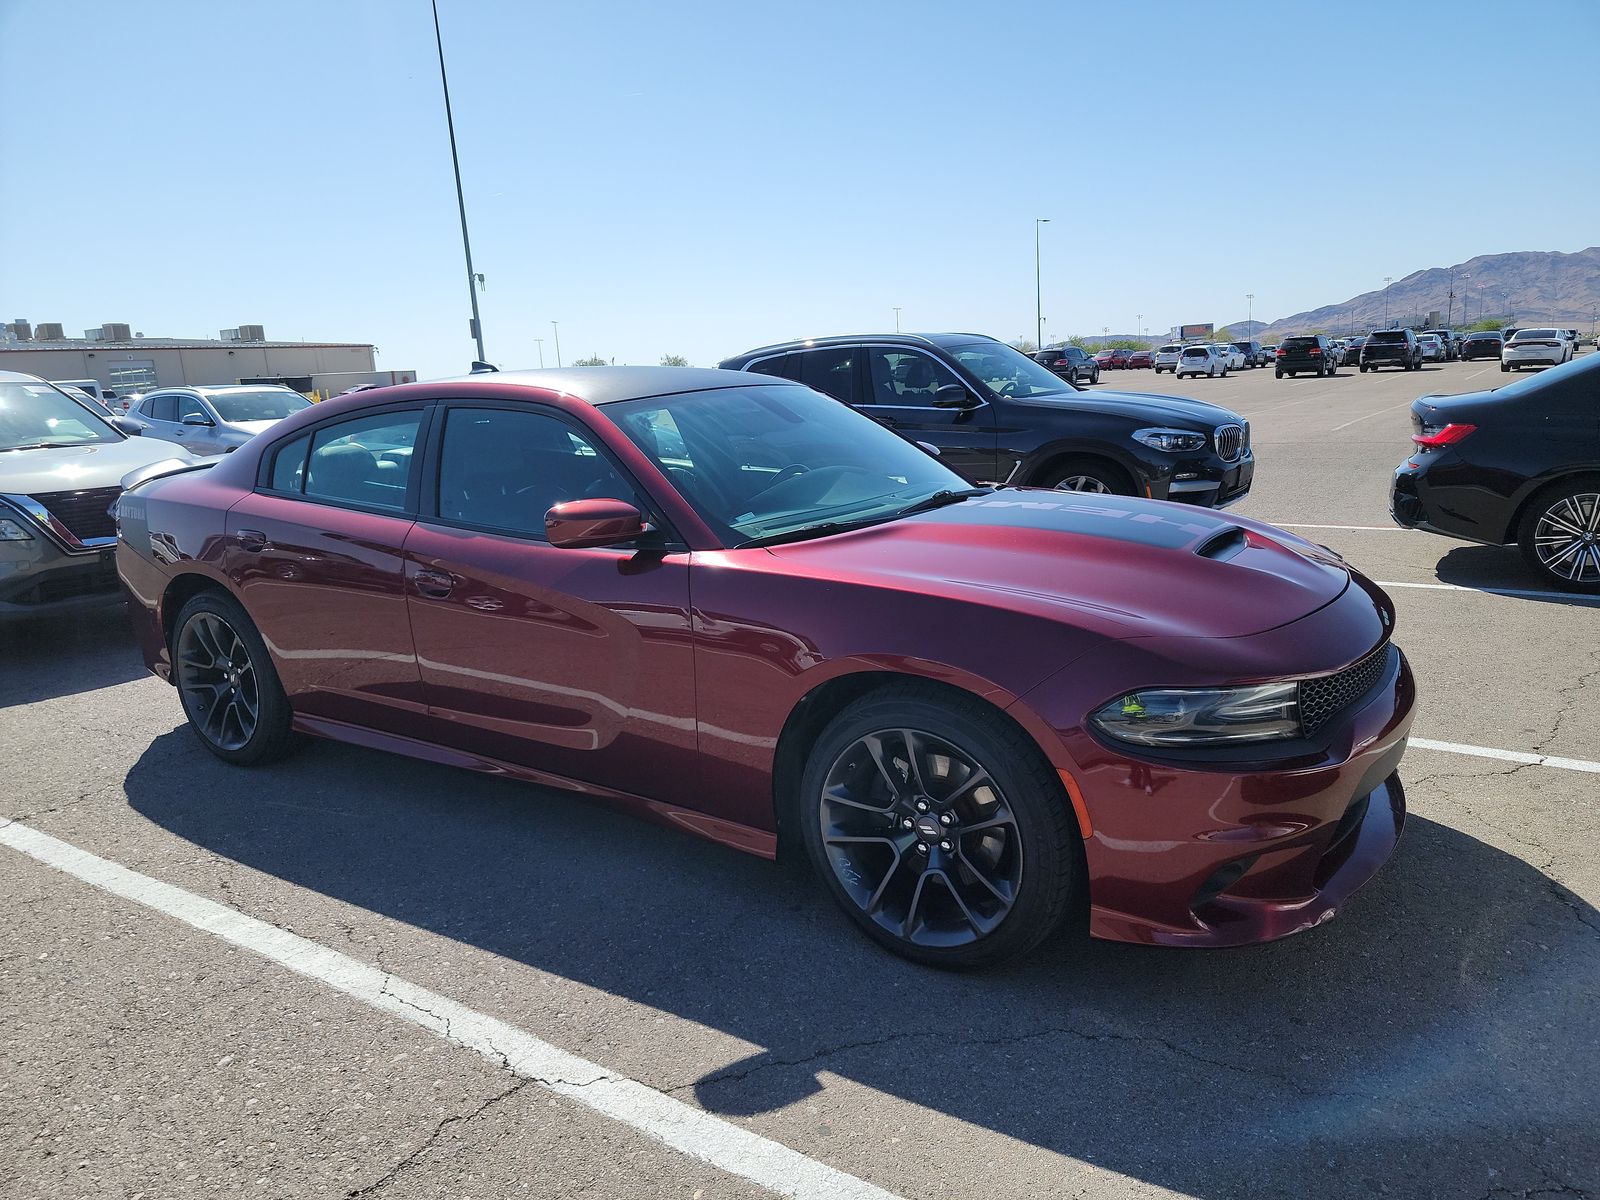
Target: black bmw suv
[(995, 414), (1391, 348)]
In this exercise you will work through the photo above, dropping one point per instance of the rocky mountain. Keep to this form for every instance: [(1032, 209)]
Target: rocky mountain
[(1525, 287)]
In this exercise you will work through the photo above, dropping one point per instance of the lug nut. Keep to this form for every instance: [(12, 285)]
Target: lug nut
[(922, 806), (946, 819), (946, 846), (906, 823), (922, 847)]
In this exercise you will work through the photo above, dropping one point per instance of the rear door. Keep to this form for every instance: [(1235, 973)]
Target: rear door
[(578, 662), (316, 553), (902, 383)]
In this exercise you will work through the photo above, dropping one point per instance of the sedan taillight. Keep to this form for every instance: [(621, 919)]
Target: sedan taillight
[(1448, 436)]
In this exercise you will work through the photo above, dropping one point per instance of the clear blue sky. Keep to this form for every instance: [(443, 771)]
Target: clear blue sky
[(706, 177)]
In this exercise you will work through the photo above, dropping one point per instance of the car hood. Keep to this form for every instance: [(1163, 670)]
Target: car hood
[(1129, 567), (26, 472), (250, 428), (1142, 406)]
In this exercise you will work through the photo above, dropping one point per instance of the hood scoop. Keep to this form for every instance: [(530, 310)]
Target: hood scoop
[(1223, 544)]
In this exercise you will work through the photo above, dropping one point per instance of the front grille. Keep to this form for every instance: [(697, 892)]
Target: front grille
[(1323, 697), (85, 513), (1230, 441)]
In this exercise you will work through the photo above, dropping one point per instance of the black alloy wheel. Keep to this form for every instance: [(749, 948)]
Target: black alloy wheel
[(1560, 535), (230, 691), (939, 827)]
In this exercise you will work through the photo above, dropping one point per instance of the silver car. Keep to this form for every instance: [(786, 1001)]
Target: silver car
[(214, 420)]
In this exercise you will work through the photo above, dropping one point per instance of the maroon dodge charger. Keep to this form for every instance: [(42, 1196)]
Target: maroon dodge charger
[(733, 605)]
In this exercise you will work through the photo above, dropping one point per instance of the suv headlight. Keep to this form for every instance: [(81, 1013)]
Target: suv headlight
[(1173, 440), (1189, 717)]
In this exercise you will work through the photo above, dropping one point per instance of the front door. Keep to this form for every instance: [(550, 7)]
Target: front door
[(575, 662), (316, 556), (901, 387)]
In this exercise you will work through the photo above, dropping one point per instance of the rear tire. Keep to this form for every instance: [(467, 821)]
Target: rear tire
[(1279, 374), (226, 681), (1569, 504), (909, 752)]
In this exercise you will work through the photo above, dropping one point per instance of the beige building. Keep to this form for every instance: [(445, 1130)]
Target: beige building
[(126, 363)]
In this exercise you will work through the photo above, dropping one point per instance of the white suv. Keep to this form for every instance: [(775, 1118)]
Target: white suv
[(1167, 358), (1201, 360)]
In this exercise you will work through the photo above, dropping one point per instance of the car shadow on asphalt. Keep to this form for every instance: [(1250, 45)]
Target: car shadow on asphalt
[(1436, 1039), (1475, 566), (47, 658)]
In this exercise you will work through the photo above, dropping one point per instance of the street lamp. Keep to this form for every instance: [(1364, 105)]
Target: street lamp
[(1250, 313), (539, 342), (897, 318), (461, 202), (1138, 323), (1038, 301), (555, 327), (1387, 280)]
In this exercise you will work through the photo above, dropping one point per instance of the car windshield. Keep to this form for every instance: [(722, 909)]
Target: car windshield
[(1386, 337), (760, 462), (1298, 343), (1196, 352), (1168, 350), (269, 404), (33, 415), (1006, 371), (1534, 335)]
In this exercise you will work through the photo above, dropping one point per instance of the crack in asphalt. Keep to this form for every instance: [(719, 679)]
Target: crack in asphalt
[(740, 1074), (1568, 697), (412, 1158)]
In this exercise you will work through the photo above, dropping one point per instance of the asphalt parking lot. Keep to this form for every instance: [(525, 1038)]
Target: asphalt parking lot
[(1437, 1039)]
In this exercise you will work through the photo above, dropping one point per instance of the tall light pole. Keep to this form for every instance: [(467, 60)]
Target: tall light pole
[(1387, 280), (1038, 292), (1250, 313), (1138, 325), (539, 342), (461, 201), (897, 318), (555, 327)]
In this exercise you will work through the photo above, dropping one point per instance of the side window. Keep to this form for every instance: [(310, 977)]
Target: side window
[(162, 408), (190, 406), (289, 466), (504, 469), (831, 370), (783, 366), (905, 377), (366, 461)]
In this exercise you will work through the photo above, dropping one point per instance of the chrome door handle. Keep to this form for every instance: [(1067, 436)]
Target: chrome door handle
[(434, 584)]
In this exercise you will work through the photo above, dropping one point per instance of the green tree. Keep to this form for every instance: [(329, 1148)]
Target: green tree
[(674, 360), (1026, 344), (594, 360), (1078, 340), (1222, 335)]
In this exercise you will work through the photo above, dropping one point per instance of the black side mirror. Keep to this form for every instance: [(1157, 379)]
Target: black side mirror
[(197, 419), (128, 425), (953, 395)]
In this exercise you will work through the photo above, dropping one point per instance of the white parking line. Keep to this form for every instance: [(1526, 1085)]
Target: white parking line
[(686, 1129), (1365, 528), (1516, 756), (1533, 593), (1378, 413)]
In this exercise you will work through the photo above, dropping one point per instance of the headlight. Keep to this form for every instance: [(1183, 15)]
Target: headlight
[(1203, 716), (10, 531), (1170, 439)]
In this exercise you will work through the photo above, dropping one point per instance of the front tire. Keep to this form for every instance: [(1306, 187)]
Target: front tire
[(1086, 474), (230, 690), (939, 827), (1559, 535)]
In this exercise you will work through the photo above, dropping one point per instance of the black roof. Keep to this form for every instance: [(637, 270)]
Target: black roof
[(847, 339)]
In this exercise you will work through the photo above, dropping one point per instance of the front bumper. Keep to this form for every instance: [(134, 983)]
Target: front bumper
[(1209, 481), (1231, 859), (39, 580)]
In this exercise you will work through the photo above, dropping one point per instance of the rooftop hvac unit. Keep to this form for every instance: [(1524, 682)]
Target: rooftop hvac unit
[(50, 331), (116, 332), (22, 330), (252, 333), (97, 334), (230, 335)]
